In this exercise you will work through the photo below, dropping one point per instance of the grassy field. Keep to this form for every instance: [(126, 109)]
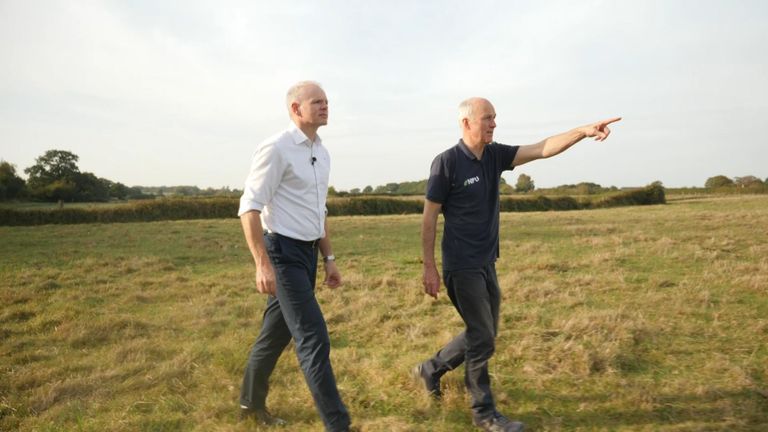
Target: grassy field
[(636, 318)]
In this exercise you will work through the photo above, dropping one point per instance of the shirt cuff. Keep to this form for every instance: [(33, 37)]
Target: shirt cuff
[(248, 205)]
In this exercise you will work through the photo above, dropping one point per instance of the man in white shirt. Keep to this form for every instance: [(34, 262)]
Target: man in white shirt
[(282, 211)]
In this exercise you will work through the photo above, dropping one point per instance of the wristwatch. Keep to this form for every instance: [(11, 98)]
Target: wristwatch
[(329, 258)]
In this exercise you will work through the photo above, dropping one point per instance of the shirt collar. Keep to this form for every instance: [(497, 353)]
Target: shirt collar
[(467, 152), (299, 137)]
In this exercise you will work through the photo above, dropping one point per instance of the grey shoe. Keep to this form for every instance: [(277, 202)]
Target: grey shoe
[(499, 423), (430, 384), (261, 416)]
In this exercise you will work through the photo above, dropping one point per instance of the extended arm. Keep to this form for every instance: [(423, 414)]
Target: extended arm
[(254, 236), (332, 275), (431, 278), (557, 144)]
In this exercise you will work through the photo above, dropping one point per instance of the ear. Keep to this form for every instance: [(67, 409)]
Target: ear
[(295, 108), (465, 123)]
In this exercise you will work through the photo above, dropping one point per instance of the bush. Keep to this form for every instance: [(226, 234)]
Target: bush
[(224, 207), (139, 211), (653, 194), (539, 203), (373, 206)]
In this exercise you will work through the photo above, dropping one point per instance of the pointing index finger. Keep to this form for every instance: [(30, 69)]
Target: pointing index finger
[(609, 121)]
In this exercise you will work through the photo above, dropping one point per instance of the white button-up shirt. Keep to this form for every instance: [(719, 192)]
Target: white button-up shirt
[(288, 184)]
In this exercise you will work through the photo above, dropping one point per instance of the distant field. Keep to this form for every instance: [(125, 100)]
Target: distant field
[(633, 318), (48, 205)]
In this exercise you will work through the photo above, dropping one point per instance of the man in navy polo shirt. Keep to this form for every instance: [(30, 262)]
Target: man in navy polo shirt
[(464, 185)]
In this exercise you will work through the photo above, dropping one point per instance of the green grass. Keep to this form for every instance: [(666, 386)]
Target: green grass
[(635, 318)]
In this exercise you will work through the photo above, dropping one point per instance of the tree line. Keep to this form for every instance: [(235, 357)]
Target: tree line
[(55, 177), (419, 187), (526, 184), (746, 182), (523, 185)]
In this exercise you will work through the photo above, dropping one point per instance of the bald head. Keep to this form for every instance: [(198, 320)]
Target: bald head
[(468, 107)]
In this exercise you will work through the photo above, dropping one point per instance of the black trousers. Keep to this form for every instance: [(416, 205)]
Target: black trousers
[(475, 295), (294, 313)]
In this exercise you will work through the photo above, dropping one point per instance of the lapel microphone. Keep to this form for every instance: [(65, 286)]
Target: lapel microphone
[(313, 160)]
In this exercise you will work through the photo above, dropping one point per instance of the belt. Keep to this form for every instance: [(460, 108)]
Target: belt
[(310, 243)]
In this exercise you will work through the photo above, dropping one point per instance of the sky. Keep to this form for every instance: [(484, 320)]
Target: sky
[(150, 92)]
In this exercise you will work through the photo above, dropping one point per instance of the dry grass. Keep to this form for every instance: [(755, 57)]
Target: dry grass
[(649, 318)]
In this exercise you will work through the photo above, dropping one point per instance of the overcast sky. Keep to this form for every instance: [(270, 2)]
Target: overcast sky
[(149, 92)]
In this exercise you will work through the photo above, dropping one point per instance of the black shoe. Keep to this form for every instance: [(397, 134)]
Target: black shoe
[(499, 423), (261, 416), (430, 384)]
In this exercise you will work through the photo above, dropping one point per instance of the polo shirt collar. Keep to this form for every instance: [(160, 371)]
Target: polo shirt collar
[(467, 152), (299, 137)]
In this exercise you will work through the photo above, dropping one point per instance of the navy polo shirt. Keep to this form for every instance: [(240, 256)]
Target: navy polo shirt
[(468, 190)]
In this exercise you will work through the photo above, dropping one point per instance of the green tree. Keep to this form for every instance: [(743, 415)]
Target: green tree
[(718, 182), (118, 190), (137, 193), (392, 187), (504, 187), (368, 189), (11, 185), (185, 190), (52, 166), (57, 190), (588, 188), (332, 191), (524, 184), (748, 181), (90, 188)]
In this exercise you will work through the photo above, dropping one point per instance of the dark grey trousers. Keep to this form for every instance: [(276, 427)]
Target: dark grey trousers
[(294, 313), (475, 295)]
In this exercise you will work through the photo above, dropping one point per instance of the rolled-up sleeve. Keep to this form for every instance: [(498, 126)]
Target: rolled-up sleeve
[(267, 168)]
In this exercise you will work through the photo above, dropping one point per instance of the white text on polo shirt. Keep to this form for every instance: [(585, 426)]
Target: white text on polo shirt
[(471, 180)]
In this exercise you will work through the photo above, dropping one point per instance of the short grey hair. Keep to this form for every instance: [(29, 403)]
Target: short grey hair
[(294, 92), (467, 108)]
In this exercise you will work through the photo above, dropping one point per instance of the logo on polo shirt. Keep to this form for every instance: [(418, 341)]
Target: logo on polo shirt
[(471, 180)]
